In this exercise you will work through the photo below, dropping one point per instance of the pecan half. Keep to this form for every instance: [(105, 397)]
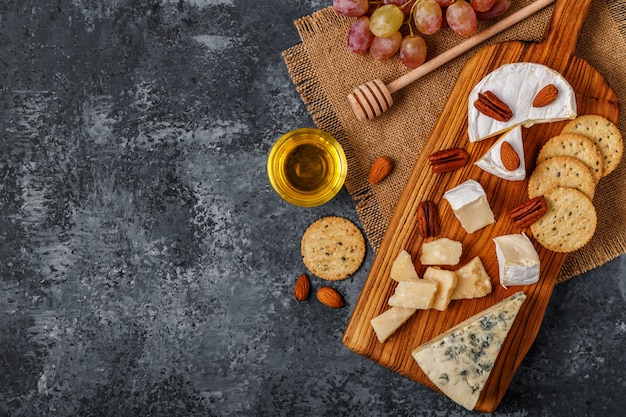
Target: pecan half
[(427, 219), (529, 212), (490, 105), (448, 160), (546, 95)]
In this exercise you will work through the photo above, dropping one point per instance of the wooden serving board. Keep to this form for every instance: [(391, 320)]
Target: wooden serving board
[(593, 96)]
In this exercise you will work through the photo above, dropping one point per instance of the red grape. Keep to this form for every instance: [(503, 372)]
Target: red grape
[(499, 7), (427, 16), (351, 8), (360, 36), (461, 18), (384, 48), (413, 51), (445, 3), (481, 5)]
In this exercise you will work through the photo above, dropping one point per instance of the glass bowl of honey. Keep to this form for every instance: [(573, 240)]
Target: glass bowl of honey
[(307, 167)]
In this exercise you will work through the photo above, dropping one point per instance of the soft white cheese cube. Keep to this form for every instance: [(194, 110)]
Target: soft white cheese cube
[(414, 294), (442, 251), (469, 203), (472, 281), (403, 268), (492, 162), (446, 282), (386, 323), (518, 260)]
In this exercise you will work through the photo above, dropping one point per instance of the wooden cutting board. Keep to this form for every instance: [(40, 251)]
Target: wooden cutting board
[(593, 96)]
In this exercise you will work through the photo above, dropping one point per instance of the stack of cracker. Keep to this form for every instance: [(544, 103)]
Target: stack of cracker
[(569, 166)]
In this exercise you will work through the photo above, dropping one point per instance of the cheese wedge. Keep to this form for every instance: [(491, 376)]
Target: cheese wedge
[(492, 162), (517, 84), (472, 281), (469, 204), (386, 323), (403, 268), (460, 360), (518, 261)]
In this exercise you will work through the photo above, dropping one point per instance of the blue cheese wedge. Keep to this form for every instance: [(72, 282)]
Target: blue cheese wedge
[(517, 84), (518, 261), (386, 323), (403, 268), (492, 162), (469, 203), (460, 360)]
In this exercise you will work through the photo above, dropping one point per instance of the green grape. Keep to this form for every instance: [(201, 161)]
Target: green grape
[(386, 20)]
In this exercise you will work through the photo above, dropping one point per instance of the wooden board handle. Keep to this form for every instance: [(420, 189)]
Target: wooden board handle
[(565, 26)]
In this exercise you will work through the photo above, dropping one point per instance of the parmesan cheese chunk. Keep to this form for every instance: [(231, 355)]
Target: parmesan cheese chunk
[(446, 282), (386, 323), (472, 280), (414, 294), (442, 251), (403, 269)]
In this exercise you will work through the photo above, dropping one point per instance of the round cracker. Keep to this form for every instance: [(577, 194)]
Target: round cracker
[(577, 146), (561, 171), (333, 248), (569, 223), (604, 134)]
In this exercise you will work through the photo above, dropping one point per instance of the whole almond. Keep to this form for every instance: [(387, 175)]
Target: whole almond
[(302, 288), (330, 297), (545, 96), (508, 155), (381, 167)]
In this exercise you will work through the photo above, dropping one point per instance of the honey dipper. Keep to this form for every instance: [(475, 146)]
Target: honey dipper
[(373, 98)]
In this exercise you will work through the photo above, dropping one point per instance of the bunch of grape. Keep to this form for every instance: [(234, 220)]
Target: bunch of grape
[(378, 27)]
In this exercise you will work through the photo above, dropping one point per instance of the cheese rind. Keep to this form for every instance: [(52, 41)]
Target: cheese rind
[(386, 323), (469, 203), (403, 268), (473, 281), (492, 161), (518, 261), (517, 84), (414, 294), (460, 360), (441, 251), (446, 282)]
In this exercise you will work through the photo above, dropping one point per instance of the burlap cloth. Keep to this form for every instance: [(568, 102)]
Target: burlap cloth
[(324, 72)]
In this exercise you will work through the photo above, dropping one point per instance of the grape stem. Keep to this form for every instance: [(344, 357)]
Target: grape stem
[(466, 45)]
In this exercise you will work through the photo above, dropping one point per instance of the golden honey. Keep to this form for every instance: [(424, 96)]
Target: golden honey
[(307, 167)]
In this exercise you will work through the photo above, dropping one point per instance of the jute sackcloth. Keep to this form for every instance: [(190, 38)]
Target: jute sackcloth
[(325, 72)]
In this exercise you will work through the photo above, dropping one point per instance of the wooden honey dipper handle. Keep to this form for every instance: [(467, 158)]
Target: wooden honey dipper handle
[(371, 99)]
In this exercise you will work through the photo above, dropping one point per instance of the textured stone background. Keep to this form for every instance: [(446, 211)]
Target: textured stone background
[(146, 266)]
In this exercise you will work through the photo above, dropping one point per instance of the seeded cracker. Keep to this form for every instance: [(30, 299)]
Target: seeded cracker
[(569, 223), (605, 135), (561, 171), (333, 248), (577, 146)]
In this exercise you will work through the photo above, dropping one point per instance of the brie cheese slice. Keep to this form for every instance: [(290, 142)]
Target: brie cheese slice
[(518, 260), (492, 162), (517, 85)]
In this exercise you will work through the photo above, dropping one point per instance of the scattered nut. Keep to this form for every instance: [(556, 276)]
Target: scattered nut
[(302, 288), (508, 155), (490, 105), (546, 95), (330, 297), (381, 167), (427, 219), (529, 212), (448, 160)]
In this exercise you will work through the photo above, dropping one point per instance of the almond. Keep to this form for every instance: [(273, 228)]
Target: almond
[(302, 288), (330, 297), (381, 167), (509, 156), (546, 95)]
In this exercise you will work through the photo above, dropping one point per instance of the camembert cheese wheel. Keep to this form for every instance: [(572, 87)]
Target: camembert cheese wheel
[(517, 86)]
